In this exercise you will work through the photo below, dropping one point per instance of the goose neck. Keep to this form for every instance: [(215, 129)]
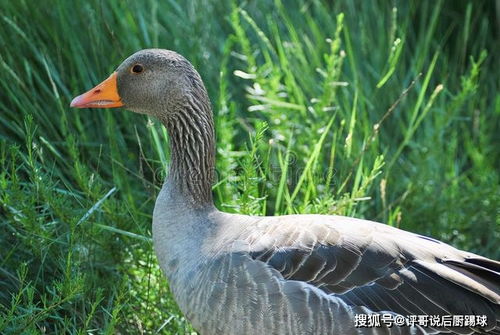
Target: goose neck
[(192, 149)]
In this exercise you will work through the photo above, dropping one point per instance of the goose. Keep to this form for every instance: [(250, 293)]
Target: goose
[(292, 274)]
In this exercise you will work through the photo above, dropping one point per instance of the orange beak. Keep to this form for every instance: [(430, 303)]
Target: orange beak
[(104, 95)]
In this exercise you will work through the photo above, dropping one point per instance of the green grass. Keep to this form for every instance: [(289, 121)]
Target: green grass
[(391, 114)]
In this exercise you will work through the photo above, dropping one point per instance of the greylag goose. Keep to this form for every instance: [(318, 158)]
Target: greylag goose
[(294, 274)]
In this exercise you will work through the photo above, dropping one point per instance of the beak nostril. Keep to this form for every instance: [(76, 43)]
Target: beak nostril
[(97, 91)]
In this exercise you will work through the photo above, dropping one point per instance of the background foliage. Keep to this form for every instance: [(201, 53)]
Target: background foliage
[(382, 110)]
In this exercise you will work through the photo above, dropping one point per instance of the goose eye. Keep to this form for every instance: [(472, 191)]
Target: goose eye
[(137, 68)]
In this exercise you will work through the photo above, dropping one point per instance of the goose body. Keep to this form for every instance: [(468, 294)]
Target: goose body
[(296, 274)]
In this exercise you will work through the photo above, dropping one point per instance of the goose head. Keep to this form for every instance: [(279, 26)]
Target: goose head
[(163, 84), (151, 81)]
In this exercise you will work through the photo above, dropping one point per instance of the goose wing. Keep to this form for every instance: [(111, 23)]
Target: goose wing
[(373, 265)]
